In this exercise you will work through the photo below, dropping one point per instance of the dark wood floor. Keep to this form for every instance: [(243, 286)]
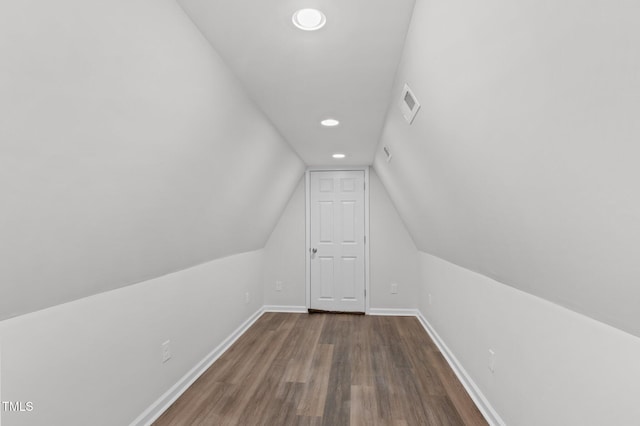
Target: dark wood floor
[(327, 369)]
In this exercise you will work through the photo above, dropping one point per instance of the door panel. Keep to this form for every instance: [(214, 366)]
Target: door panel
[(337, 235), (348, 222), (326, 185), (326, 221), (349, 265), (326, 277)]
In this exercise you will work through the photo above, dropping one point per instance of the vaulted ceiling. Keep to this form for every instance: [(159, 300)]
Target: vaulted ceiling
[(345, 70)]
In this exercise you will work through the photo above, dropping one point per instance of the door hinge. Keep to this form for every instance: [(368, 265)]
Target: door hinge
[(364, 186), (365, 239)]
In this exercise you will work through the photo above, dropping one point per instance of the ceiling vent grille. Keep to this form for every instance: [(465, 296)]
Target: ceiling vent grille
[(409, 104)]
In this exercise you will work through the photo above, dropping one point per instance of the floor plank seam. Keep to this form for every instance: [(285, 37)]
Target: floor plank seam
[(328, 369)]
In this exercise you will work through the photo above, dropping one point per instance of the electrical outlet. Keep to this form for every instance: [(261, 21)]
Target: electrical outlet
[(278, 285), (430, 299), (166, 351), (247, 297), (394, 288), (492, 360)]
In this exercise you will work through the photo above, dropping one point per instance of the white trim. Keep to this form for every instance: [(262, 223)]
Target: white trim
[(393, 312), (1, 410), (283, 308), (156, 409), (367, 292), (489, 413), (307, 236)]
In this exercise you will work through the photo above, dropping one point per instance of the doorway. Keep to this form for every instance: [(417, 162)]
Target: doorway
[(337, 230)]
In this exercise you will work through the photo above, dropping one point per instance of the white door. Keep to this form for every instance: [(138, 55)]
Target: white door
[(337, 243)]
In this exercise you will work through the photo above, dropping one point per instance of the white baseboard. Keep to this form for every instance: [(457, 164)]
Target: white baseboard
[(156, 409), (472, 389), (164, 402), (285, 308), (393, 312)]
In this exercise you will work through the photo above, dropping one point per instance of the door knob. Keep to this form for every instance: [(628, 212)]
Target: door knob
[(314, 250)]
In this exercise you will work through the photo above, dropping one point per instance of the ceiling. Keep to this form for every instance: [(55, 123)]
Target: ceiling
[(345, 70)]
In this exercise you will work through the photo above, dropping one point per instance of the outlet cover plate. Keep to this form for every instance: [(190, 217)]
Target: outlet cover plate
[(492, 360), (166, 351)]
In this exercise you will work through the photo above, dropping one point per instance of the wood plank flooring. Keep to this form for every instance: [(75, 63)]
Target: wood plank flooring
[(327, 369)]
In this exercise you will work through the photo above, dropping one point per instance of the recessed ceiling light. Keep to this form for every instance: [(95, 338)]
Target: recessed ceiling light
[(338, 155), (309, 19), (330, 122)]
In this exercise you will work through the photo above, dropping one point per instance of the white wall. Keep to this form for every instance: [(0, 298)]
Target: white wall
[(285, 255), (97, 360), (553, 366), (393, 256), (522, 163), (520, 172), (127, 151)]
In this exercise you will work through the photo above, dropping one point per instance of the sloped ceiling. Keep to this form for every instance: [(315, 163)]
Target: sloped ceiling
[(128, 150), (523, 162), (344, 70)]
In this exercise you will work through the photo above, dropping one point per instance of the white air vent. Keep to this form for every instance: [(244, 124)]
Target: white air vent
[(387, 153), (409, 104)]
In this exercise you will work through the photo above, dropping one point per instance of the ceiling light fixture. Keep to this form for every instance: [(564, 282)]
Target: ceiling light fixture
[(329, 122), (338, 155), (309, 19)]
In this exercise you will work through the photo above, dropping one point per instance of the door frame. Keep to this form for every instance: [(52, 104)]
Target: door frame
[(307, 237)]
